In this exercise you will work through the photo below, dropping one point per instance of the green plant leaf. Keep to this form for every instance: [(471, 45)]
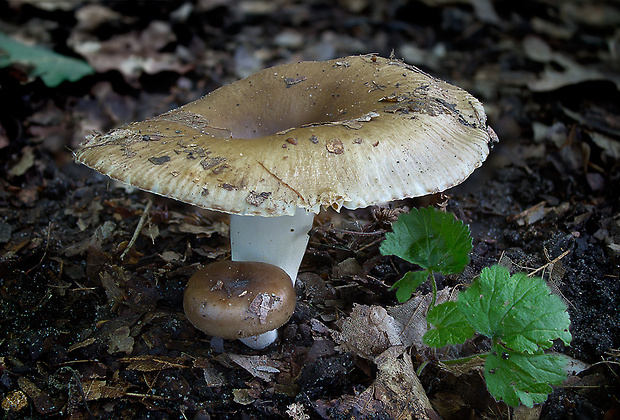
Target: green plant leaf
[(407, 285), (451, 326), (518, 310), (53, 68), (431, 239), (522, 378)]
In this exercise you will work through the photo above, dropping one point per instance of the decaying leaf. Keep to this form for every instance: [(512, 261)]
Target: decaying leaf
[(82, 344), (121, 341), (42, 401), (243, 396), (259, 366), (572, 73), (207, 230), (131, 53), (367, 332), (410, 317), (15, 401), (397, 392), (110, 279), (95, 389), (25, 162), (609, 145), (296, 412)]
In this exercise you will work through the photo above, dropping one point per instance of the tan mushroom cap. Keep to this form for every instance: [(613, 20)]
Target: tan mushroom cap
[(349, 132), (237, 299)]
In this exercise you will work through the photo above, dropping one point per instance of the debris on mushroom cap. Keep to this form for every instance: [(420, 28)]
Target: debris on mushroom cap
[(350, 132), (235, 299)]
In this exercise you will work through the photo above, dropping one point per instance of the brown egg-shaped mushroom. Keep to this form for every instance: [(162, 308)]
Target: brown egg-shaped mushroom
[(237, 299)]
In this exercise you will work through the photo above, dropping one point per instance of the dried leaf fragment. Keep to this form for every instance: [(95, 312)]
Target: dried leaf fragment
[(262, 305), (212, 162), (259, 366), (335, 146), (396, 393), (40, 399), (159, 160), (121, 341), (410, 317), (96, 389), (367, 332), (14, 402), (290, 81), (256, 199)]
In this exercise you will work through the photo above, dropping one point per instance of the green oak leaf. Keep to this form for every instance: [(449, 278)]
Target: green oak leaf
[(518, 310), (451, 326), (520, 377), (53, 68), (407, 285), (432, 239)]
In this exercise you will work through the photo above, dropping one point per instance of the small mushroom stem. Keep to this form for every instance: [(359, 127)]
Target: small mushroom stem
[(280, 241), (259, 342)]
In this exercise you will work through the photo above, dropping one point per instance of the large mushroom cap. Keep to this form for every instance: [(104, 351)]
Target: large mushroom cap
[(349, 132), (237, 299)]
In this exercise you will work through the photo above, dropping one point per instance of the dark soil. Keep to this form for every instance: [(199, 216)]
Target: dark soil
[(87, 334)]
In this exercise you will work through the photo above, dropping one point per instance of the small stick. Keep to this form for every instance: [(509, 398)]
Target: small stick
[(354, 232), (145, 213), (50, 226), (558, 258)]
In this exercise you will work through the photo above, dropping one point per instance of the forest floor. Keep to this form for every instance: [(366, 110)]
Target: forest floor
[(86, 334)]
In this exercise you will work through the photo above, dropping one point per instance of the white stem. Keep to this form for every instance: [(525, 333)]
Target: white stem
[(280, 241), (259, 342)]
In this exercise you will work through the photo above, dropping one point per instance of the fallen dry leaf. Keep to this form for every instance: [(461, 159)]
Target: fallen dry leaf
[(367, 332), (410, 317), (121, 341), (396, 393), (258, 366)]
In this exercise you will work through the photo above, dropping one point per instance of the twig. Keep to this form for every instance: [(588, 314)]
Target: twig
[(368, 245), (145, 396), (145, 213), (47, 246), (354, 232), (558, 258)]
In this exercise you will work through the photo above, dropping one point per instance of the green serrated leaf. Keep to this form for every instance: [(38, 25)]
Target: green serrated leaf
[(407, 285), (518, 310), (431, 239), (522, 378), (53, 68), (451, 326)]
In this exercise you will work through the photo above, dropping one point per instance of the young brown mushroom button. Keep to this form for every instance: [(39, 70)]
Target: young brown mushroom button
[(235, 299), (274, 148)]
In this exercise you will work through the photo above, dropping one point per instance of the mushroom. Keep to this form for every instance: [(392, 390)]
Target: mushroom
[(274, 148), (239, 299)]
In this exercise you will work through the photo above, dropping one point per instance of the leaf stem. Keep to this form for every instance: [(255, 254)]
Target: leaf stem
[(464, 359), (431, 274)]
